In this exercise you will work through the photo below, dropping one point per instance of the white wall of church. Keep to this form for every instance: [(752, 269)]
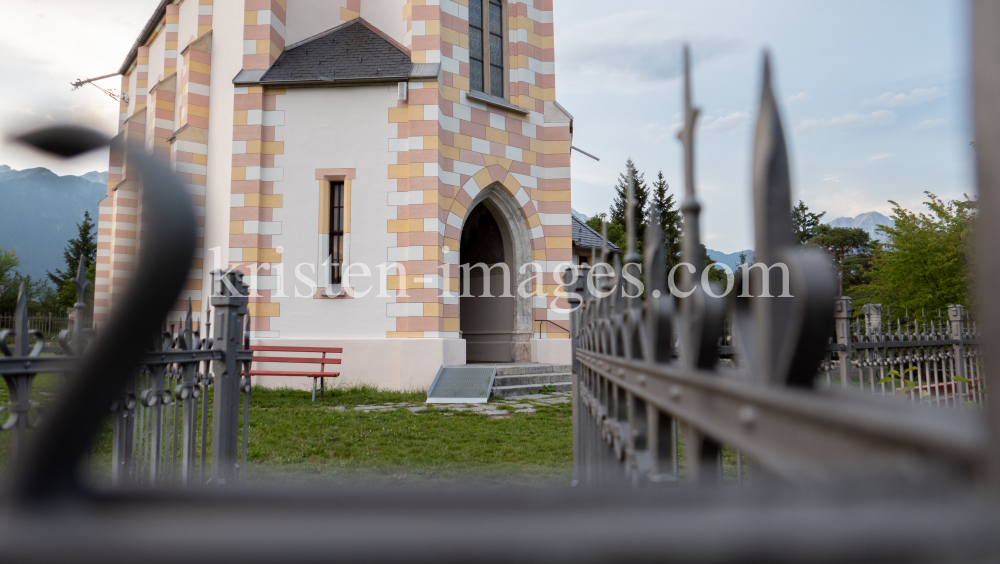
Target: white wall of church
[(156, 59), (306, 18), (187, 25), (387, 16), (343, 128), (227, 60)]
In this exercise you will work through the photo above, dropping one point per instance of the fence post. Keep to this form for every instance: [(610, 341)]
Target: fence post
[(576, 296), (842, 315), (229, 299), (956, 327), (873, 319)]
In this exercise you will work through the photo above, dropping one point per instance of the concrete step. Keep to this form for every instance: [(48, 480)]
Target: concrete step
[(523, 369), (528, 389), (527, 379)]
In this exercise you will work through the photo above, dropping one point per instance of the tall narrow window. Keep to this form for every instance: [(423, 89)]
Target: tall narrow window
[(476, 52), (486, 47), (496, 48), (336, 232)]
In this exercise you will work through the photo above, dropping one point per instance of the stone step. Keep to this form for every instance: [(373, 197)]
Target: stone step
[(523, 369), (528, 389), (526, 379)]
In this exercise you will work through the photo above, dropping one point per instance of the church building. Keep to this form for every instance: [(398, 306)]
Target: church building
[(348, 156)]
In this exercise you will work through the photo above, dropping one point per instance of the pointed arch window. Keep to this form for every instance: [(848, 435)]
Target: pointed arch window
[(488, 47)]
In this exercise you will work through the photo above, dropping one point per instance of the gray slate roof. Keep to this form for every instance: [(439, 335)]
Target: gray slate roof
[(353, 52), (587, 238)]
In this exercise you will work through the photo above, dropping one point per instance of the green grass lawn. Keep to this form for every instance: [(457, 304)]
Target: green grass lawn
[(295, 440), (292, 438)]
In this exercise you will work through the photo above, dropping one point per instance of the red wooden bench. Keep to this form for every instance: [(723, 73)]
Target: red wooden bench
[(321, 360)]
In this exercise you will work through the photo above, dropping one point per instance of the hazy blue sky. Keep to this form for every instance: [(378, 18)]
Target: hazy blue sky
[(875, 93), (875, 99)]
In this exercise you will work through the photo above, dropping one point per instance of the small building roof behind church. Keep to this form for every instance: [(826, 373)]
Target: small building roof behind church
[(355, 52), (586, 238)]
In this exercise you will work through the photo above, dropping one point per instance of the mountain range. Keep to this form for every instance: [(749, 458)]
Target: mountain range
[(40, 213), (867, 221)]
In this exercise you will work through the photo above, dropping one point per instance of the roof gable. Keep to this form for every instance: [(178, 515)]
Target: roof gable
[(352, 52)]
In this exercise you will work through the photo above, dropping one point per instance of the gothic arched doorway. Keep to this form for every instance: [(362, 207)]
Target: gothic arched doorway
[(487, 282)]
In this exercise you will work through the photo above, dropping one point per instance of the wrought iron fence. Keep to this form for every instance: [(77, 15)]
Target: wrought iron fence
[(161, 431), (647, 371), (933, 361), (47, 325), (160, 417)]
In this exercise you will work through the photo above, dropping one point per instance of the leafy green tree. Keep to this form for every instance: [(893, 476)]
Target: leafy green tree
[(843, 243), (805, 223), (670, 220), (84, 245), (616, 233), (619, 206), (41, 297), (925, 261)]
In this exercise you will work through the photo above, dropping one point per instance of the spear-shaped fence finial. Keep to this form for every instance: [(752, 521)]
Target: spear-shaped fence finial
[(655, 260), (604, 241), (631, 254), (21, 323), (690, 208), (81, 282), (188, 332)]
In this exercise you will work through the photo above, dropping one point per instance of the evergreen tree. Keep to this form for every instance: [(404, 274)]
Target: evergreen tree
[(620, 205), (84, 245), (805, 222), (670, 220)]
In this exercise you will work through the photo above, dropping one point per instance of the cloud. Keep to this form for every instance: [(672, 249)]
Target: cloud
[(917, 96), (878, 157), (795, 98), (931, 123), (725, 124), (846, 121), (632, 52)]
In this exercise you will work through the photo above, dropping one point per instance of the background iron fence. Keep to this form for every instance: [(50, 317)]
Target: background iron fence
[(933, 360), (47, 325), (160, 416)]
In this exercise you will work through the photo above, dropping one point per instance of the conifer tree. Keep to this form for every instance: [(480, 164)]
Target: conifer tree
[(84, 245), (620, 204), (670, 220)]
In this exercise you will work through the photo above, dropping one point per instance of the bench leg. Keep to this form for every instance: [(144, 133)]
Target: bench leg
[(314, 390), (322, 388)]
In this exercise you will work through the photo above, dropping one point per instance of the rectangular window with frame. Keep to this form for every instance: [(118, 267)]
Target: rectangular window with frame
[(336, 232), (496, 48), (487, 47), (476, 51)]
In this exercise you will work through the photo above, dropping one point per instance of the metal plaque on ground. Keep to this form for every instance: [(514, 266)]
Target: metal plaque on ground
[(462, 384)]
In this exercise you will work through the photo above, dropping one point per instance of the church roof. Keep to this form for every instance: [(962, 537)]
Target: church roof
[(355, 52), (586, 238)]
